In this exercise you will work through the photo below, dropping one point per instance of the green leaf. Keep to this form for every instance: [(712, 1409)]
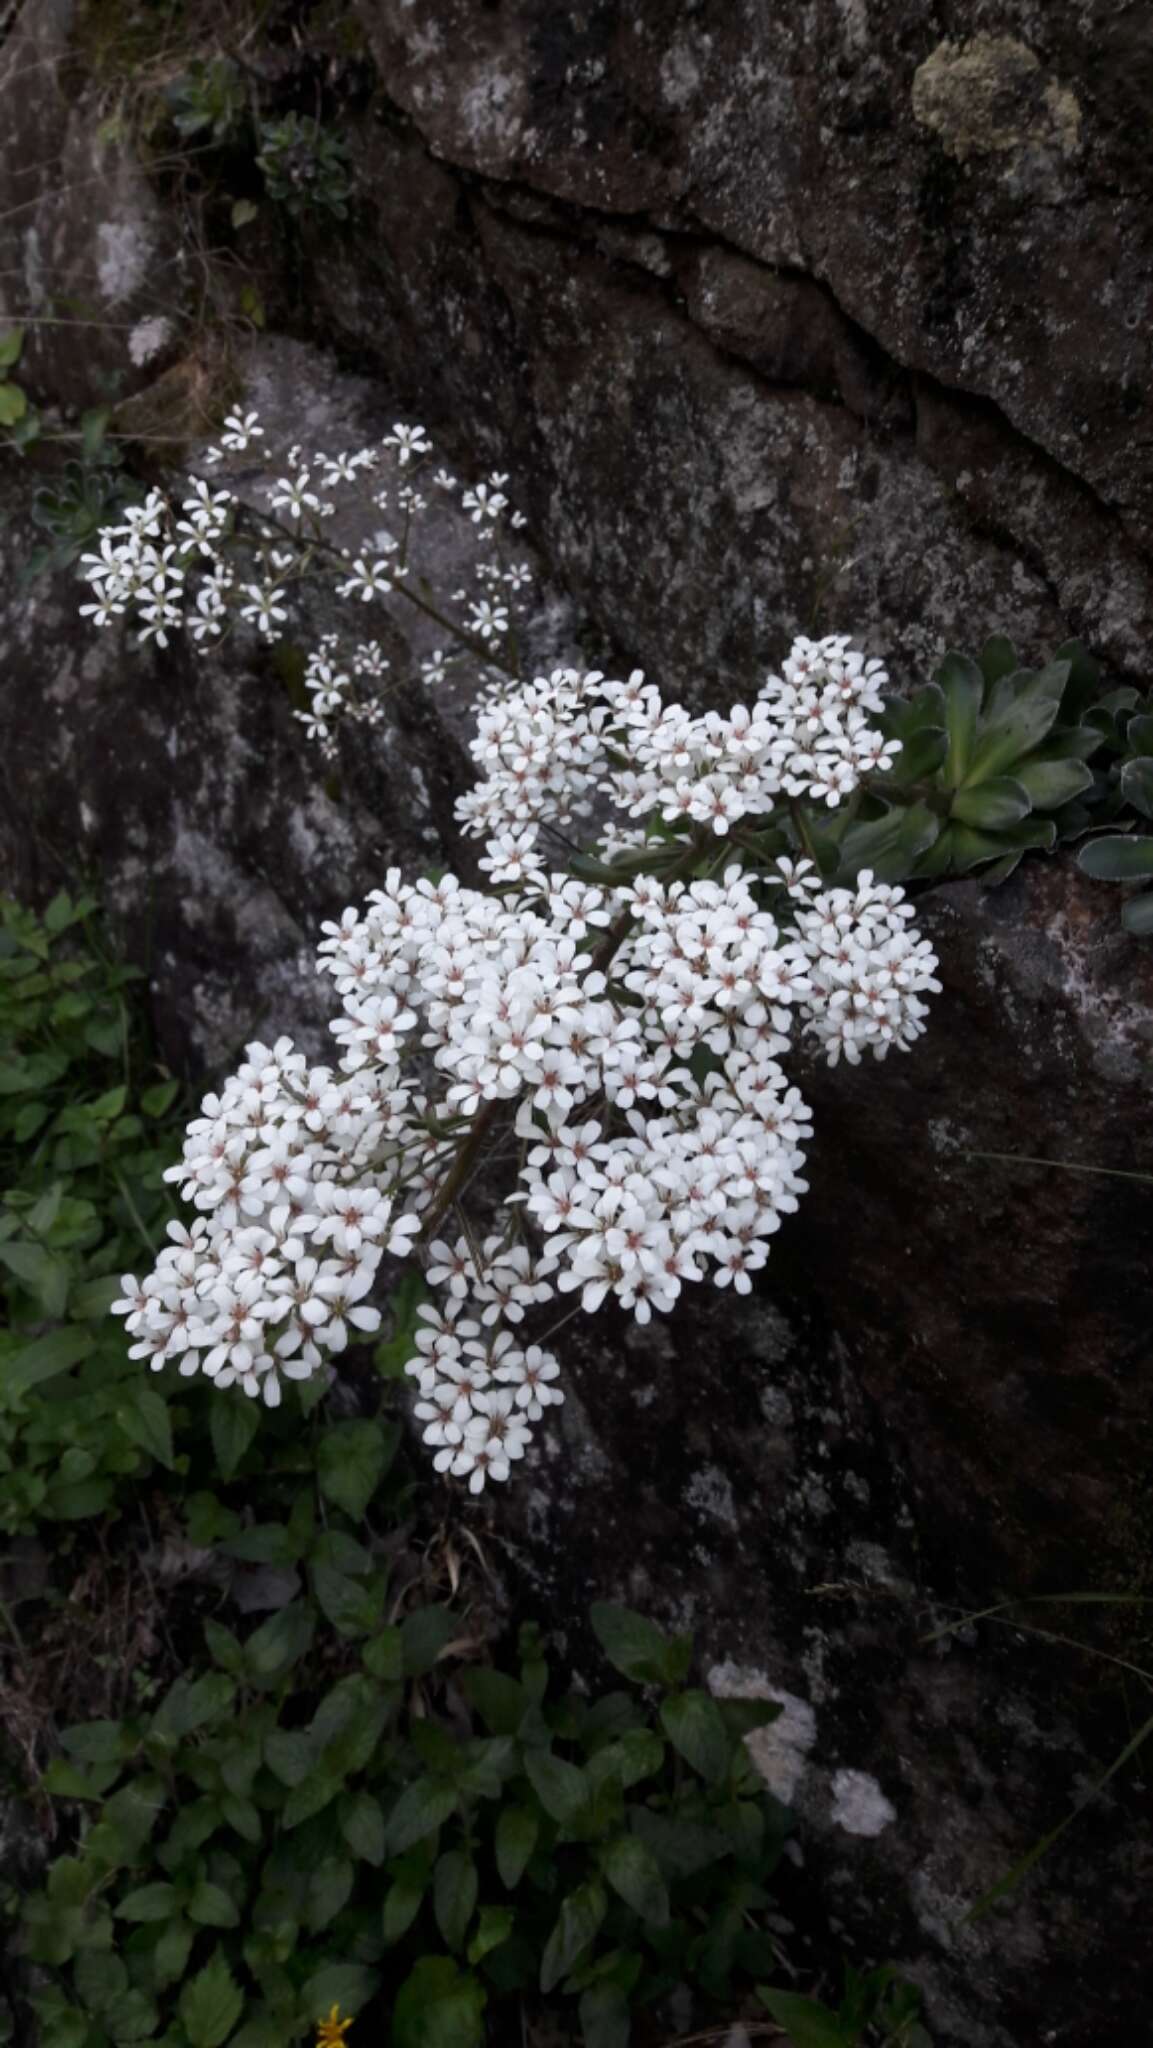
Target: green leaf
[(1049, 784), (98, 1742), (158, 1099), (350, 1464), (13, 404), (807, 2023), (604, 2017), (234, 1421), (210, 1906), (992, 804), (454, 1895), (383, 1657), (329, 1886), (694, 1725), (170, 1956), (636, 1647), (145, 1419), (633, 1871), (43, 1360), (243, 211), (1119, 857), (493, 1927), (352, 1607), (963, 687), (498, 1699), (362, 1825), (1137, 914), (11, 345), (422, 1807), (402, 1903), (149, 1902), (998, 658), (211, 2004), (346, 1985), (438, 2006), (93, 428), (516, 1835), (562, 1788), (577, 1927), (310, 1797), (279, 1643), (289, 1755), (424, 1635), (1137, 784)]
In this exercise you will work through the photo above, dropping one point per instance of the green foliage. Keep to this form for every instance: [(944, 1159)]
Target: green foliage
[(997, 760), (87, 1124), (305, 165), (208, 101), (83, 497), (877, 2005), (273, 1838)]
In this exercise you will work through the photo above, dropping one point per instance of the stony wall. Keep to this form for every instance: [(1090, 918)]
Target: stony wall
[(828, 315)]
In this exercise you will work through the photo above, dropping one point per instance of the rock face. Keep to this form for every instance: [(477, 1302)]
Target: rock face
[(822, 317)]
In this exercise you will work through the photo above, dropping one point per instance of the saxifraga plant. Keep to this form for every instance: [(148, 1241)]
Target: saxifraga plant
[(605, 1018)]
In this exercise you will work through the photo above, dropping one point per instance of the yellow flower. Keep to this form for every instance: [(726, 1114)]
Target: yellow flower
[(330, 2033)]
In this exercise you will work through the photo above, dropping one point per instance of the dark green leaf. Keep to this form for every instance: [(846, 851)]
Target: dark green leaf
[(1137, 784), (421, 1808), (43, 1360), (516, 1833), (349, 1986), (234, 1421), (362, 1825), (149, 1902), (636, 1647), (279, 1643), (454, 1895), (577, 1926), (807, 2023), (1120, 857), (493, 1927), (438, 2006), (1137, 914), (604, 2017), (990, 804), (210, 1906), (210, 2004), (350, 1465), (963, 687), (633, 1871), (1051, 783), (498, 1699), (562, 1789), (692, 1721), (424, 1634)]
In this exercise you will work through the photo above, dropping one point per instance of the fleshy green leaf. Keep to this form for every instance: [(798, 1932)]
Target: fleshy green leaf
[(963, 687), (992, 804), (1137, 784), (1119, 857)]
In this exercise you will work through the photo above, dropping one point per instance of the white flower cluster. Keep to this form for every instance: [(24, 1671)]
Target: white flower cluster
[(611, 1048), (544, 749), (208, 561)]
